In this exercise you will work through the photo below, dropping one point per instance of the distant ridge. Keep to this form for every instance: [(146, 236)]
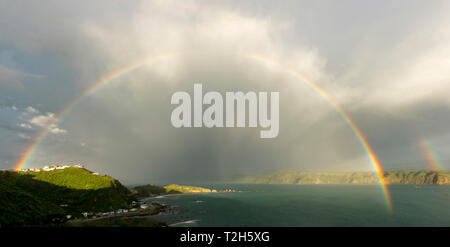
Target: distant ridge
[(392, 177)]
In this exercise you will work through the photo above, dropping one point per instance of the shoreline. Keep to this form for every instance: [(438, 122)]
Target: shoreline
[(140, 216), (187, 193), (168, 206)]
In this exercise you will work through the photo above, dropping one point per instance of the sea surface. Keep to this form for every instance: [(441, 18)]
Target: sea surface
[(310, 205)]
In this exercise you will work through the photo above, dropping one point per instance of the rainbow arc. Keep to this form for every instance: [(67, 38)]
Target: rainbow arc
[(431, 155), (134, 66)]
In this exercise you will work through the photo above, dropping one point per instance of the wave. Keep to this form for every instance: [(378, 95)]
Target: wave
[(185, 222)]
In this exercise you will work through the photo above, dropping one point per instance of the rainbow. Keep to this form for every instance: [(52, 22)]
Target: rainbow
[(92, 89), (431, 156), (365, 144), (129, 68)]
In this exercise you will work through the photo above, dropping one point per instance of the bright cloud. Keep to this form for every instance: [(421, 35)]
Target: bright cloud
[(30, 109), (56, 130), (47, 121), (24, 125), (43, 120)]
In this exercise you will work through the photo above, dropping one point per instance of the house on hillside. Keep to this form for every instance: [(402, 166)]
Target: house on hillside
[(48, 168)]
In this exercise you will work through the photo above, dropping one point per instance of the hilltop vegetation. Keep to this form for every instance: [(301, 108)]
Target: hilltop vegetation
[(153, 190), (74, 178), (187, 189), (148, 190), (392, 177), (45, 197)]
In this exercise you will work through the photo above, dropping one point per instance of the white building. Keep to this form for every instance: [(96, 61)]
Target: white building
[(61, 167), (48, 168)]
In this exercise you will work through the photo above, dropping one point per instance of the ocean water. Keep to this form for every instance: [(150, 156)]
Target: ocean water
[(310, 205)]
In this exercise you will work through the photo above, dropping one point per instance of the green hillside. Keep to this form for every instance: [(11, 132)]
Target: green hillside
[(392, 177), (73, 178), (187, 189), (18, 208), (34, 198), (148, 190)]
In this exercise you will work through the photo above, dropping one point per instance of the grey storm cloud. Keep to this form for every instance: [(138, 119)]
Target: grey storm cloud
[(380, 61)]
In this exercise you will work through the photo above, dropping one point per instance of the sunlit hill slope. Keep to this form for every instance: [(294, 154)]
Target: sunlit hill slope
[(46, 197)]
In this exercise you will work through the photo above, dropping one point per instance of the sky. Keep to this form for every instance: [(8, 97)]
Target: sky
[(385, 62)]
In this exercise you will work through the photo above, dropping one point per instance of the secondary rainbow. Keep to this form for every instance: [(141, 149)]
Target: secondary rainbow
[(354, 127), (129, 68), (431, 156), (104, 80)]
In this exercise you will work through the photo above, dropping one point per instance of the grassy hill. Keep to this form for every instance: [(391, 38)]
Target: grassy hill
[(186, 189), (148, 190), (152, 190), (392, 177), (37, 198)]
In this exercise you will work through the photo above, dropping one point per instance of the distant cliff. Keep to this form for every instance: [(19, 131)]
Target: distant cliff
[(392, 177)]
